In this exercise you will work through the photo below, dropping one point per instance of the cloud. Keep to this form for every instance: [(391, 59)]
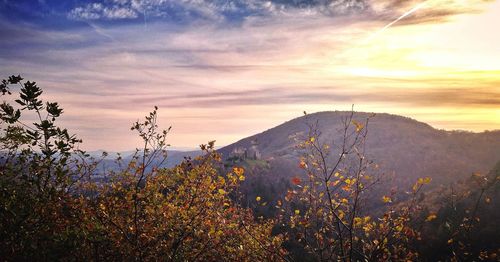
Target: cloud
[(119, 13), (89, 12), (96, 11), (240, 10), (459, 97), (216, 10)]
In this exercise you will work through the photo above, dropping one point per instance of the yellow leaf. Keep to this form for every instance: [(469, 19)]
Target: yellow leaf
[(341, 214), (258, 198), (241, 178), (238, 171), (358, 221), (431, 217), (358, 125), (368, 227), (297, 211), (222, 191), (386, 199)]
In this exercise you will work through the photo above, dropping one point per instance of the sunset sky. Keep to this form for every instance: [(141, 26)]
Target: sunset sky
[(226, 69)]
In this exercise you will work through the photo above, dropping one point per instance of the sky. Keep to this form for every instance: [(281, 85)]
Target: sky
[(226, 69)]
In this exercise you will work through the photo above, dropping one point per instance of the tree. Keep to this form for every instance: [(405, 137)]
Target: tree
[(181, 214), (40, 163), (327, 205), (465, 228)]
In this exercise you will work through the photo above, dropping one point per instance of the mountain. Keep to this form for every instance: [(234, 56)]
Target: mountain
[(402, 147), (110, 163)]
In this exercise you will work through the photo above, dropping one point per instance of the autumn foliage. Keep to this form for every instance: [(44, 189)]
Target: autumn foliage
[(180, 214), (52, 208), (327, 215)]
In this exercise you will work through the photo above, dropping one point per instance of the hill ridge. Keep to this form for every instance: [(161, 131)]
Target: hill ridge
[(402, 145)]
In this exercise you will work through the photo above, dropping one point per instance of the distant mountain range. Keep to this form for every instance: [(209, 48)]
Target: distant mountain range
[(110, 163)]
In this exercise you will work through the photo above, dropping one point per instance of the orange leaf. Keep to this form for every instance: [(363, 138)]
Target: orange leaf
[(296, 181)]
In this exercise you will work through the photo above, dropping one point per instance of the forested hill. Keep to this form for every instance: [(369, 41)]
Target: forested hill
[(400, 145)]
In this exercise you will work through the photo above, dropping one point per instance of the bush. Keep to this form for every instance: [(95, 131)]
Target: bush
[(52, 209)]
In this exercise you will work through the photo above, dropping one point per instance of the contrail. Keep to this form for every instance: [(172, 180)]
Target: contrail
[(100, 31), (411, 11)]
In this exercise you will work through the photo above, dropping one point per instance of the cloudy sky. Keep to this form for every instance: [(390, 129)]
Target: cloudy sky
[(226, 69)]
